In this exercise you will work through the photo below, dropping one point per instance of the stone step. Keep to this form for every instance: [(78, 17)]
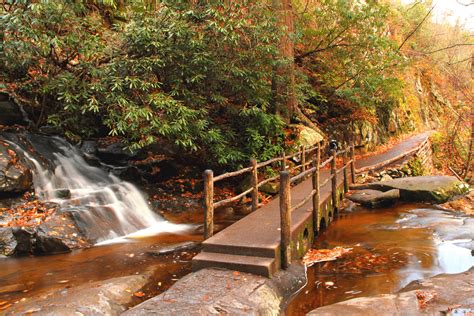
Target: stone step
[(250, 264), (251, 250)]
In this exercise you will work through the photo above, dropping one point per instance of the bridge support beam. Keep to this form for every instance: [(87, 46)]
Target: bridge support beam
[(335, 202), (208, 204), (285, 219)]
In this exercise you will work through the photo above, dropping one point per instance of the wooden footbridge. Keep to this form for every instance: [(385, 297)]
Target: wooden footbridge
[(273, 235)]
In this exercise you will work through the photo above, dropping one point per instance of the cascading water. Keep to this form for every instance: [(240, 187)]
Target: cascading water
[(103, 206)]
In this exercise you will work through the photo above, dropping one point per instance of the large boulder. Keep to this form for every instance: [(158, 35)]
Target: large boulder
[(308, 136), (374, 198), (433, 189), (225, 292), (15, 176)]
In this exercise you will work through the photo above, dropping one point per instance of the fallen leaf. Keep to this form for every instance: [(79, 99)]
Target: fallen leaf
[(424, 297), (139, 294)]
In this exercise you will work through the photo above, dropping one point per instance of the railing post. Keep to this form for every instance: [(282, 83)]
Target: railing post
[(353, 175), (346, 178), (303, 158), (283, 161), (208, 204), (254, 182), (316, 196), (334, 179), (285, 219)]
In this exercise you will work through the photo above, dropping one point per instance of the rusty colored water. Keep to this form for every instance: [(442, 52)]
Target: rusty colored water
[(23, 278), (33, 276), (391, 248)]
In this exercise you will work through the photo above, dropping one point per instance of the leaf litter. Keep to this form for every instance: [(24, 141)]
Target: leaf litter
[(323, 255)]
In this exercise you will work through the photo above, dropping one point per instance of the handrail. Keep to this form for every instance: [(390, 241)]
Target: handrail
[(302, 175), (325, 163), (266, 163), (235, 198), (304, 201), (268, 180), (389, 161), (326, 181), (232, 174), (305, 168)]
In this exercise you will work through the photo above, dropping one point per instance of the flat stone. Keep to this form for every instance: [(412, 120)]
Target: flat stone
[(375, 198), (165, 250), (224, 292), (108, 297), (434, 189), (450, 290)]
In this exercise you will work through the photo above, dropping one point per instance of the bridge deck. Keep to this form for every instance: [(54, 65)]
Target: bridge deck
[(253, 243)]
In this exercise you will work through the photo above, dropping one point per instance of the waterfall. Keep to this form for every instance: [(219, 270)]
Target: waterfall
[(103, 206)]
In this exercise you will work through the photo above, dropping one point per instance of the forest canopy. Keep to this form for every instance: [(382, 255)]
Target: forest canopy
[(204, 75)]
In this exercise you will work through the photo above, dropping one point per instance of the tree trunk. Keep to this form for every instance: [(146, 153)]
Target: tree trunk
[(468, 172), (283, 85)]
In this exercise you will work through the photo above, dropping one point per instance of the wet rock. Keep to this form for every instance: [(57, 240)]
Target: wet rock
[(115, 153), (47, 245), (11, 112), (89, 147), (62, 194), (50, 130), (165, 250), (463, 204), (374, 198), (443, 293), (25, 241), (7, 241), (15, 176), (59, 234), (435, 189), (29, 241), (108, 297)]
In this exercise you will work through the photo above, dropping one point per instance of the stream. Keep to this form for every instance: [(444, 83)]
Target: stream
[(390, 248)]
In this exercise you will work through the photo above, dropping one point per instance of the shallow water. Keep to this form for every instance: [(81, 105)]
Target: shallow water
[(28, 277), (391, 248), (33, 276)]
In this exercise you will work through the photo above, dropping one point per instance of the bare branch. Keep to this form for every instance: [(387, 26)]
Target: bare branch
[(416, 28), (448, 47)]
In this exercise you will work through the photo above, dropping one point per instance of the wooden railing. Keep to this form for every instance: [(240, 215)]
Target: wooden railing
[(305, 167), (285, 193), (210, 181)]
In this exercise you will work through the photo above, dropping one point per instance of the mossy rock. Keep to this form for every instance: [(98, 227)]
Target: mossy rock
[(433, 189)]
